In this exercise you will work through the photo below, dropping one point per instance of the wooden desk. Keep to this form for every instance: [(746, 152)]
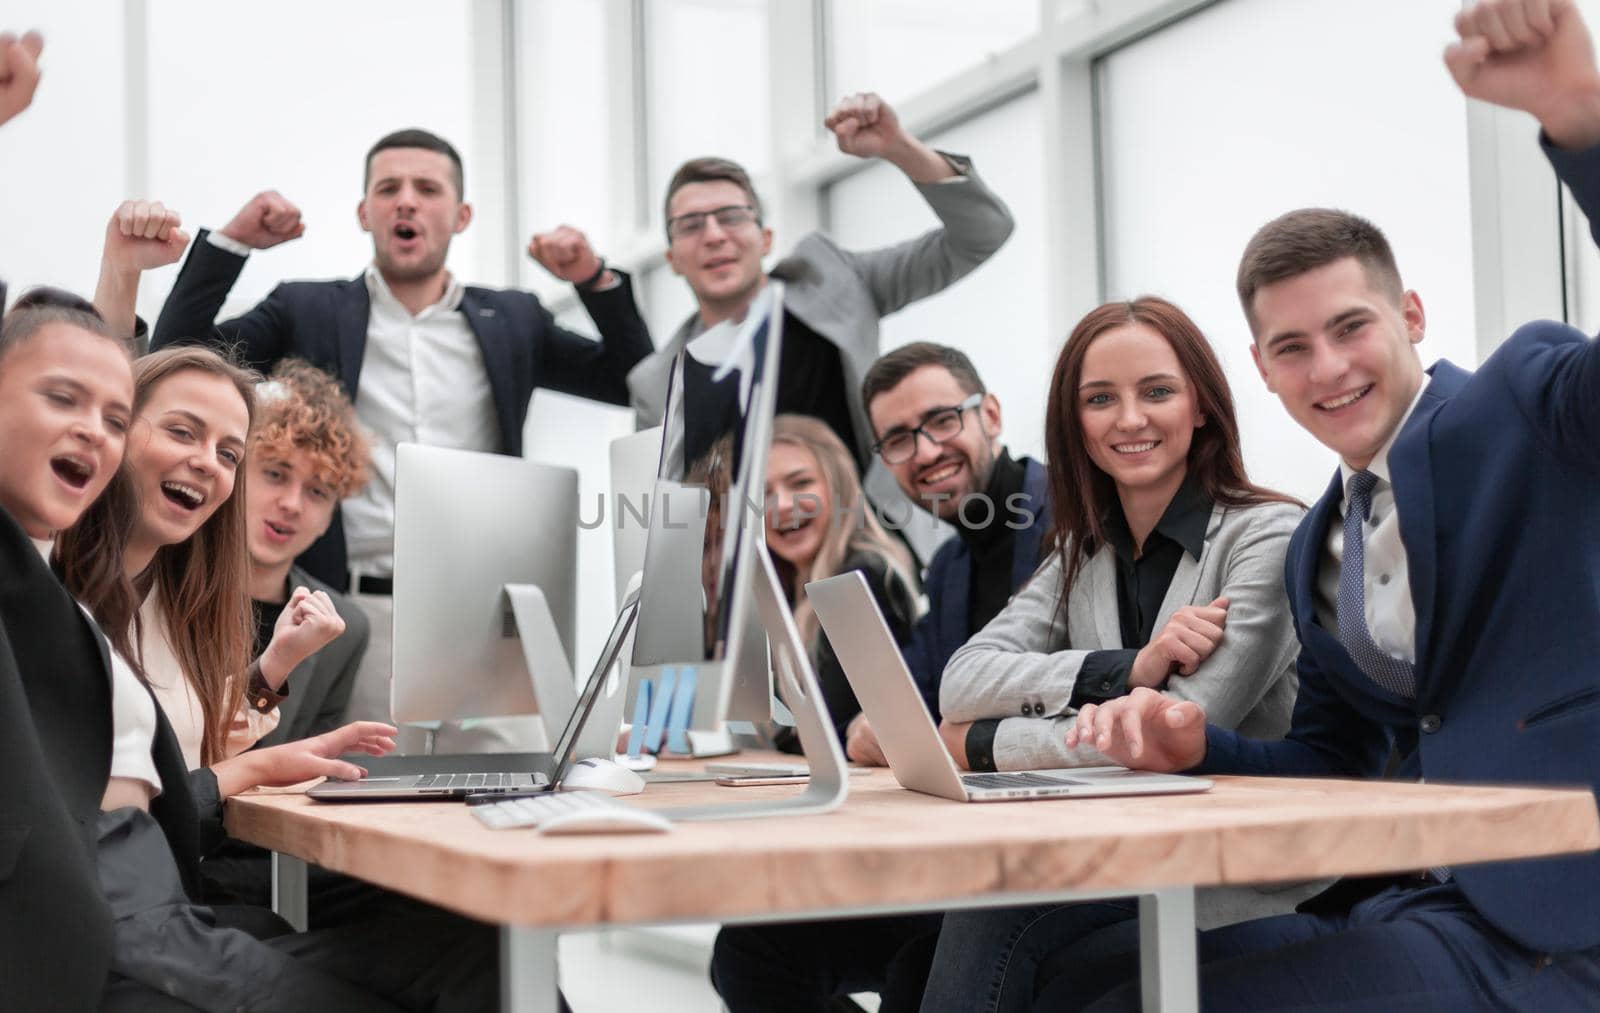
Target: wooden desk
[(890, 850)]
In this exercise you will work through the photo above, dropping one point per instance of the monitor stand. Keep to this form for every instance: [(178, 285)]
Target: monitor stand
[(797, 683), (549, 672)]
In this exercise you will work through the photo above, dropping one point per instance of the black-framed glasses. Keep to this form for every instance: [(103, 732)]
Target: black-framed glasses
[(692, 224), (939, 426)]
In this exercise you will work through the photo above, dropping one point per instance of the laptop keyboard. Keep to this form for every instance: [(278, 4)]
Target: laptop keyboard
[(476, 782), (533, 810), (1019, 780)]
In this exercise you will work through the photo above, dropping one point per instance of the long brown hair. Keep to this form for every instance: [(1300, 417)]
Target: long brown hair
[(852, 525), (202, 584), (1080, 493)]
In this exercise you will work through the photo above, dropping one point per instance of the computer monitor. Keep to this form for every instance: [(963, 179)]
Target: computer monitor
[(634, 459), (696, 602), (710, 601), (485, 592)]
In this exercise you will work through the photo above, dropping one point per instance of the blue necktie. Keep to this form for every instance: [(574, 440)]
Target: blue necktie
[(1391, 673)]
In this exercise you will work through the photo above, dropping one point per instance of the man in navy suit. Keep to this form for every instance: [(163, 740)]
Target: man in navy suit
[(1444, 591), (424, 358)]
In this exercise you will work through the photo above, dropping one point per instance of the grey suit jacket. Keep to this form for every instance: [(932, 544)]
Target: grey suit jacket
[(842, 295), (319, 687), (1024, 658)]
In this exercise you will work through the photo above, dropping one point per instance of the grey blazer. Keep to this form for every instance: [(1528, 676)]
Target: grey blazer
[(319, 687), (842, 295), (1023, 662)]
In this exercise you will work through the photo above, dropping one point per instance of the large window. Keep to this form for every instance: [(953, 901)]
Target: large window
[(564, 115), (290, 96), (1215, 125), (706, 63), (997, 315), (62, 161), (898, 48)]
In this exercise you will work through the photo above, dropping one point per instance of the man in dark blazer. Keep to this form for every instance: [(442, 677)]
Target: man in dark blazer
[(955, 468), (998, 504), (1443, 590), (424, 358), (413, 206)]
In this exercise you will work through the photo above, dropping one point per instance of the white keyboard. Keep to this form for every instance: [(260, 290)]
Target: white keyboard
[(571, 812)]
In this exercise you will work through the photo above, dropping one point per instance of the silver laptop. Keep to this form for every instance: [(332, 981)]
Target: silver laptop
[(888, 695), (415, 787)]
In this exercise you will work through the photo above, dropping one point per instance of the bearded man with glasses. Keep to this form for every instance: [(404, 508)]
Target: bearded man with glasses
[(834, 297)]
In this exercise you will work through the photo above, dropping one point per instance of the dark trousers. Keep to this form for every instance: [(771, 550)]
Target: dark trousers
[(170, 954), (801, 967), (1407, 949)]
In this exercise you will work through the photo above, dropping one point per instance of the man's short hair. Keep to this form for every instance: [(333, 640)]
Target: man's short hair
[(892, 367), (710, 170), (413, 137), (40, 307), (1304, 240)]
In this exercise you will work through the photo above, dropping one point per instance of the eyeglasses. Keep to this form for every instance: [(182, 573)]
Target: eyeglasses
[(939, 426), (693, 223)]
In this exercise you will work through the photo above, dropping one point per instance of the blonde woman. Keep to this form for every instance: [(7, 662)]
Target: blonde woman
[(819, 524)]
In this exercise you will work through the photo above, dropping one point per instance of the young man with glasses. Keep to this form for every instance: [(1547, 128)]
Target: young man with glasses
[(937, 431), (834, 297)]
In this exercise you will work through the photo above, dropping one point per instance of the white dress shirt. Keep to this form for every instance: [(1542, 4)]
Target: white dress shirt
[(133, 713), (423, 380), (1391, 613)]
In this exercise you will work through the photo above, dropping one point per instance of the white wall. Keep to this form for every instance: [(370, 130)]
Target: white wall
[(1235, 115), (62, 161)]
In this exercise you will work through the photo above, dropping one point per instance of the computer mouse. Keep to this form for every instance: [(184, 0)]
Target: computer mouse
[(618, 819), (596, 774)]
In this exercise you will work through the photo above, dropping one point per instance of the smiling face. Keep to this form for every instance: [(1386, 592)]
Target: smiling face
[(798, 504), (288, 505), (1340, 354), (412, 209), (1137, 411), (939, 475), (65, 397), (184, 453), (722, 265)]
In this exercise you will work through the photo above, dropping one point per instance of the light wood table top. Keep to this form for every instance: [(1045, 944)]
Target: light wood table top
[(889, 847)]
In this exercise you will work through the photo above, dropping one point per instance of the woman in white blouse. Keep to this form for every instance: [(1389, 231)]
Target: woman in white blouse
[(181, 589)]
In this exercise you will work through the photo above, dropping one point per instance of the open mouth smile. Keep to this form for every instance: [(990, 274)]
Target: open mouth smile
[(74, 471), (1136, 448), (182, 495), (1333, 404), (939, 471)]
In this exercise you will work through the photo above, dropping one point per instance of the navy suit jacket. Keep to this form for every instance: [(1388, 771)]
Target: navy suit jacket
[(945, 627), (325, 323), (1497, 483)]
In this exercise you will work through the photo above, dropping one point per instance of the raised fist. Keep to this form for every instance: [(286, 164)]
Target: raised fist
[(565, 252), (19, 71), (267, 220), (143, 235)]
